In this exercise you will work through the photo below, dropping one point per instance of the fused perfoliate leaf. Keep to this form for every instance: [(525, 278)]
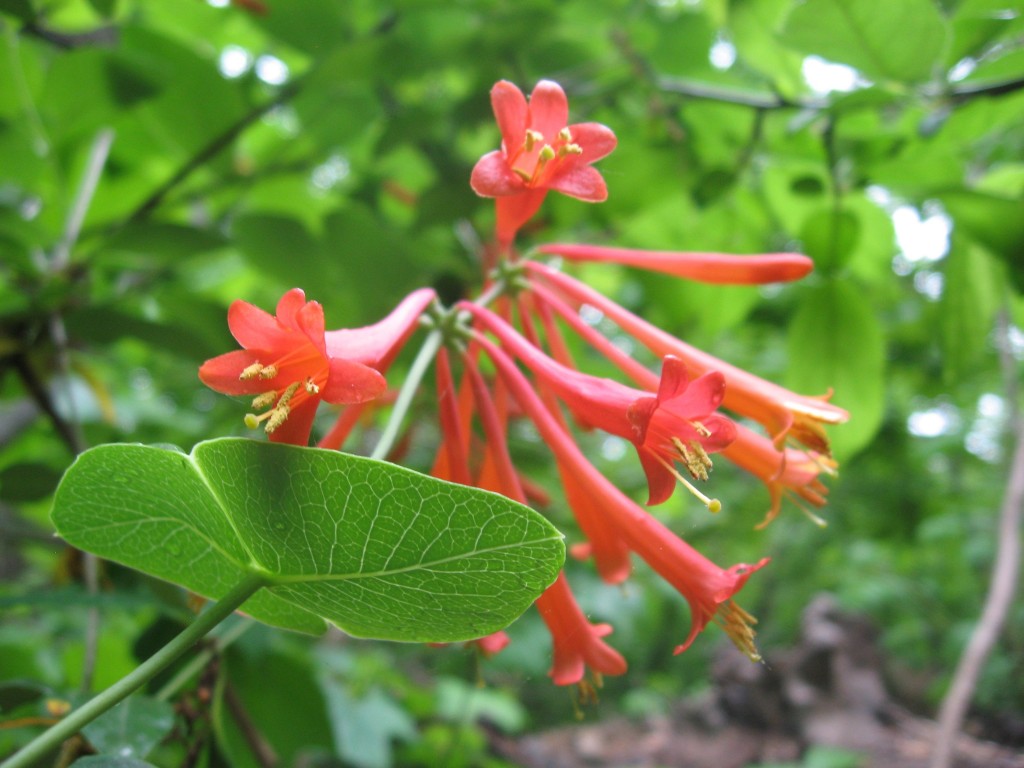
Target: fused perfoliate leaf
[(379, 550)]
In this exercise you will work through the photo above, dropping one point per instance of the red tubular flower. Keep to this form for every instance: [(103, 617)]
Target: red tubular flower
[(679, 423), (788, 471), (286, 365), (784, 413), (539, 151), (717, 268), (707, 588), (577, 642)]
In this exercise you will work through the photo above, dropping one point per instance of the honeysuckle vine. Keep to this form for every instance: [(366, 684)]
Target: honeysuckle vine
[(505, 355), (674, 417)]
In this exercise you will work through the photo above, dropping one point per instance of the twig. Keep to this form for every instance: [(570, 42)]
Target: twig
[(60, 258), (217, 145), (47, 741), (1004, 574), (260, 747)]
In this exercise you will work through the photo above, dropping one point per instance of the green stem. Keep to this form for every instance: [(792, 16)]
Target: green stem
[(412, 381), (85, 714)]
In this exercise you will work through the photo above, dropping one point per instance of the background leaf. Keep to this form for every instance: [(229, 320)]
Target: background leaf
[(884, 40)]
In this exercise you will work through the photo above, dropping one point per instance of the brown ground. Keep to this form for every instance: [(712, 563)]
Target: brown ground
[(828, 692)]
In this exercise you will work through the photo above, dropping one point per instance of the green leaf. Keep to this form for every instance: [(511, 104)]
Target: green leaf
[(836, 342), (379, 550), (132, 728), (830, 237), (970, 296), (884, 40)]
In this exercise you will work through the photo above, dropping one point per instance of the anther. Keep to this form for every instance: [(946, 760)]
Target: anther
[(250, 372), (564, 134), (265, 400), (311, 387), (532, 137)]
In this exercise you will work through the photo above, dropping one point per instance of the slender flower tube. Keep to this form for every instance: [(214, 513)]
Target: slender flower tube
[(786, 472), (285, 363), (539, 151), (376, 345), (576, 640), (716, 268), (707, 588), (678, 424), (783, 413)]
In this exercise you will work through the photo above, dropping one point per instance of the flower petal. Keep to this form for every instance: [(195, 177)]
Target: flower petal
[(549, 109), (660, 482), (289, 306), (221, 373), (511, 112), (674, 378), (254, 328), (703, 395), (492, 177), (352, 382), (310, 320), (594, 139), (580, 181)]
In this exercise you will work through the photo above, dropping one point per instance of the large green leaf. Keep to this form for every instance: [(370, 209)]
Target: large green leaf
[(379, 550), (836, 342), (884, 40)]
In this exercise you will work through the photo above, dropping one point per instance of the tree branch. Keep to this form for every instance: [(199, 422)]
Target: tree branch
[(1004, 575), (217, 145)]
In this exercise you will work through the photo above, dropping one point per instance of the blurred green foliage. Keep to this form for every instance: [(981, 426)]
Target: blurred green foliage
[(327, 144)]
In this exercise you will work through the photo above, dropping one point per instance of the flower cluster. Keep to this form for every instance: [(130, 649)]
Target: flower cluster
[(513, 362)]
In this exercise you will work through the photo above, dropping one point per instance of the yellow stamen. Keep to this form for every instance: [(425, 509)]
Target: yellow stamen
[(532, 137), (694, 458), (278, 416), (265, 400), (311, 387), (546, 155), (739, 626), (250, 372), (570, 149), (268, 372), (564, 134)]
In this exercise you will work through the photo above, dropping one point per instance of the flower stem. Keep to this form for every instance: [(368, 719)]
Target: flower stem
[(412, 381), (416, 373), (85, 714)]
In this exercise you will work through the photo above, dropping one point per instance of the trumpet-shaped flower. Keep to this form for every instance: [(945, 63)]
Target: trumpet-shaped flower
[(539, 151), (678, 424), (577, 642), (708, 588), (285, 364), (785, 414)]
